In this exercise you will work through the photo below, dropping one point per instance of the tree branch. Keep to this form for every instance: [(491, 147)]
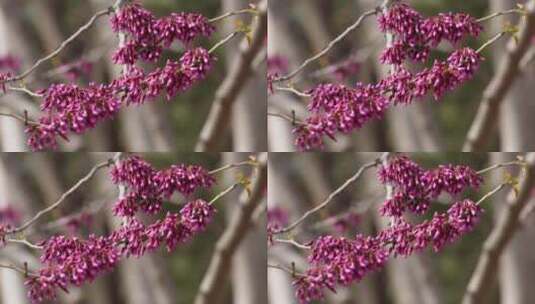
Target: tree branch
[(218, 269), (329, 46), (63, 197), (63, 45), (331, 196), (231, 87), (503, 232), (499, 86)]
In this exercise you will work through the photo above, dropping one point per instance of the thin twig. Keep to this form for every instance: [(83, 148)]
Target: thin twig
[(24, 242), (497, 14), (223, 193), (237, 77), (63, 197), (292, 90), (63, 45), (21, 118), (496, 91), (331, 196), (496, 166), (490, 41), (491, 193), (223, 41), (234, 13), (25, 91), (292, 242), (288, 270), (218, 270), (329, 46), (231, 166), (21, 270), (503, 231), (294, 121)]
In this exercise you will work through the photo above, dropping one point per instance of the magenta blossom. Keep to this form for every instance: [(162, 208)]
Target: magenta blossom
[(340, 260), (147, 35)]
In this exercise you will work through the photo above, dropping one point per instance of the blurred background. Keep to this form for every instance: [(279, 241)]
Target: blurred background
[(31, 182), (31, 29), (301, 28), (298, 182)]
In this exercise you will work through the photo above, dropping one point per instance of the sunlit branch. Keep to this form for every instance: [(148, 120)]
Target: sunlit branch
[(63, 197), (331, 44), (331, 196), (234, 13), (292, 242), (63, 45)]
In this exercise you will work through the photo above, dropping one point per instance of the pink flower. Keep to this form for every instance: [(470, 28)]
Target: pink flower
[(196, 215), (70, 108), (3, 79), (338, 108), (10, 63), (148, 187), (277, 64), (149, 35), (415, 187), (415, 34)]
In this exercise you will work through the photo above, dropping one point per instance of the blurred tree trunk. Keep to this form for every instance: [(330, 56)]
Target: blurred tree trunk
[(280, 43), (281, 194), (12, 287), (143, 128), (517, 134), (12, 134), (249, 125), (249, 133), (143, 280), (248, 272), (410, 279), (47, 25)]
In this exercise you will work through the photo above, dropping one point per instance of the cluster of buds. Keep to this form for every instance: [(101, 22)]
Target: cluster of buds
[(335, 260), (337, 108), (71, 260)]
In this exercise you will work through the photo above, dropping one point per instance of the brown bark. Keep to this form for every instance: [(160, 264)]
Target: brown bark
[(504, 78), (228, 93), (235, 251)]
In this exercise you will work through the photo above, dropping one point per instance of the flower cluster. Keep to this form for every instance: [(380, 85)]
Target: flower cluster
[(148, 35), (10, 63), (277, 64), (415, 187), (277, 218), (338, 260), (74, 261), (3, 79), (10, 215), (4, 230), (76, 223), (339, 108), (136, 239), (77, 69), (9, 218), (148, 187), (416, 35), (71, 108), (347, 222), (346, 69), (341, 261), (71, 261)]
